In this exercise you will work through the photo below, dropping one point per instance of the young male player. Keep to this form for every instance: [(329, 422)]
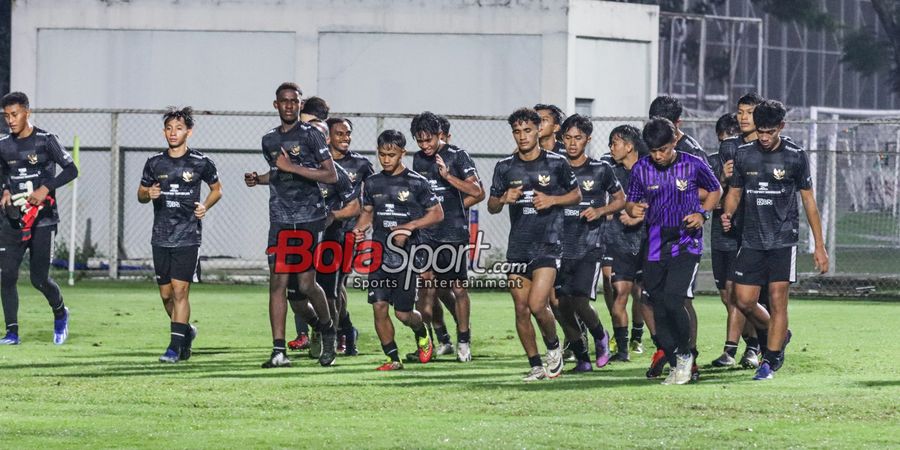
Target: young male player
[(551, 121), (536, 185), (768, 173), (298, 160), (397, 204), (28, 160), (172, 180), (582, 243), (664, 191), (452, 175)]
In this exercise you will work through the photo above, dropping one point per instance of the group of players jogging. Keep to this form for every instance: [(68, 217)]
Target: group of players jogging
[(633, 218)]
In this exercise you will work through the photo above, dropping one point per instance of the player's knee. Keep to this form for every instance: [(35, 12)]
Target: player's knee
[(39, 282), (380, 309), (8, 278)]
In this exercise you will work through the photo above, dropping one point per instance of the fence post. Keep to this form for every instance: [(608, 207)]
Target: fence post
[(115, 164), (813, 148), (379, 125), (831, 199)]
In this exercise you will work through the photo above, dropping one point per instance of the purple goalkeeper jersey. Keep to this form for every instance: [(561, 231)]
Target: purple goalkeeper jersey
[(671, 193)]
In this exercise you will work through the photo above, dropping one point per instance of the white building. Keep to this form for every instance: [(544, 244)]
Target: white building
[(483, 57)]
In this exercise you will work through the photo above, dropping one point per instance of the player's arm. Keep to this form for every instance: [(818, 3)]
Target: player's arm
[(323, 174), (252, 179), (433, 215), (470, 201), (364, 222), (68, 173), (349, 210), (543, 201), (148, 189), (820, 256), (5, 182), (501, 194), (215, 193), (470, 186)]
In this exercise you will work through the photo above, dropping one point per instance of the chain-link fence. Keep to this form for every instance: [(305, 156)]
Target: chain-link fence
[(855, 163)]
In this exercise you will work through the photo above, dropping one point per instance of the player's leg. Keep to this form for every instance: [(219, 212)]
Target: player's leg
[(566, 292), (384, 329), (622, 289), (543, 278), (653, 300), (637, 321), (303, 313), (41, 246), (680, 277), (462, 306), (519, 287), (404, 299), (11, 255)]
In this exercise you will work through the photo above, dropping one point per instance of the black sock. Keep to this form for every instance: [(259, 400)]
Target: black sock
[(580, 350), (655, 341), (621, 334), (420, 332), (752, 342), (552, 344), (324, 327), (442, 335), (597, 332), (695, 353), (344, 323), (763, 335), (770, 357), (637, 331), (731, 348), (278, 345), (59, 312), (390, 350), (464, 336), (177, 333), (535, 361), (12, 328)]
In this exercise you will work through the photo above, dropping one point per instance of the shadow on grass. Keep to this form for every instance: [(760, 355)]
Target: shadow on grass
[(880, 383)]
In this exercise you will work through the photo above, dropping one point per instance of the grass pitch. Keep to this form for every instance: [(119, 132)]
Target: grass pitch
[(840, 386)]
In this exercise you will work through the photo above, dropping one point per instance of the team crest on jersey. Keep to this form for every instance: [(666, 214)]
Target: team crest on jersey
[(778, 173), (324, 192), (682, 185), (295, 150), (187, 176), (403, 195), (587, 185), (351, 176), (32, 158), (544, 180)]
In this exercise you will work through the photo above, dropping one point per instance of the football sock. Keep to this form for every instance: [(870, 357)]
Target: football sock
[(637, 331), (177, 334), (621, 334), (12, 328), (535, 361), (464, 336), (442, 335), (552, 343), (597, 332), (752, 342), (390, 350), (731, 348), (278, 345), (580, 350), (59, 311)]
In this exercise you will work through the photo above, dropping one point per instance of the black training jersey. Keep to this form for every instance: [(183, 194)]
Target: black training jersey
[(559, 148), (33, 159), (549, 173), (455, 226), (358, 168), (174, 223), (690, 145), (771, 181), (338, 195), (397, 199), (718, 238), (294, 199), (619, 236), (597, 183)]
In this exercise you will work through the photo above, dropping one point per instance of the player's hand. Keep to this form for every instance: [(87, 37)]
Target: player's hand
[(442, 167), (639, 210), (820, 258), (154, 191), (402, 235), (359, 234), (728, 169), (627, 220), (590, 214), (693, 221), (37, 197), (542, 201), (199, 210), (512, 195), (283, 162), (726, 222), (251, 179), (6, 200)]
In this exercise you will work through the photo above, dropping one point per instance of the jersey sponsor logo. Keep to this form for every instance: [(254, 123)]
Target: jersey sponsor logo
[(544, 180), (587, 185), (187, 176), (752, 174), (403, 195), (172, 204), (32, 158), (682, 185), (162, 176), (778, 173), (529, 210), (764, 202), (653, 187), (572, 212)]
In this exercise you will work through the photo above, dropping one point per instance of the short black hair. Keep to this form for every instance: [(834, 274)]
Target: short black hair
[(186, 114), (750, 98), (524, 115), (578, 121), (666, 106), (317, 107), (728, 124), (658, 132), (769, 114), (15, 98), (335, 120), (630, 133), (426, 122), (288, 85), (391, 138), (445, 124), (555, 111)]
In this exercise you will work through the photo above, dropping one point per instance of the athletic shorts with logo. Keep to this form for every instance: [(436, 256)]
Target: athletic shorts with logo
[(176, 263), (579, 277), (761, 267)]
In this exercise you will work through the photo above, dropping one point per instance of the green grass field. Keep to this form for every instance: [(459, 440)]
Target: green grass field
[(840, 386)]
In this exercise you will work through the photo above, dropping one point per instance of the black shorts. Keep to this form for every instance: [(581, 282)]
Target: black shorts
[(579, 277), (393, 288), (451, 261), (671, 276), (625, 265), (722, 265), (176, 263), (316, 230), (761, 267), (546, 255)]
